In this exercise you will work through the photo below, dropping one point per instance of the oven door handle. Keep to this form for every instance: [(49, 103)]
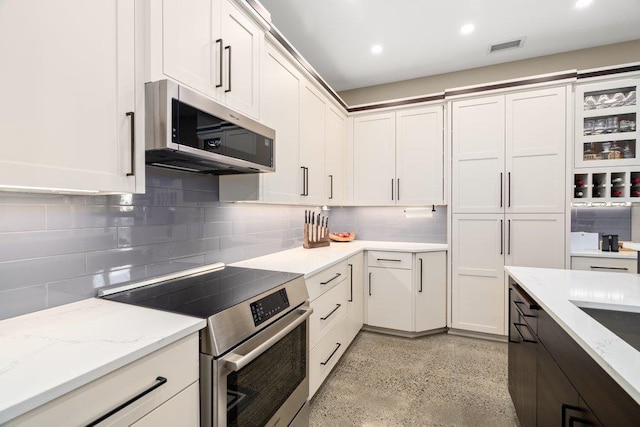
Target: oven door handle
[(235, 362)]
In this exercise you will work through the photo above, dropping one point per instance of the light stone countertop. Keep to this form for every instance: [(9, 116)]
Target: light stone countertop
[(557, 290), (601, 254), (48, 353), (310, 261)]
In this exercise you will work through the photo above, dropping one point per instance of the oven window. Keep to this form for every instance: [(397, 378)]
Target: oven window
[(257, 391), (197, 129)]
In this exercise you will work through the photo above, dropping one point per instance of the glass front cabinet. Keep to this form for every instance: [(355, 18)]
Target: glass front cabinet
[(607, 150)]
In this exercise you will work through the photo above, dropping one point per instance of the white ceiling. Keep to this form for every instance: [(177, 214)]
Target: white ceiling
[(422, 37)]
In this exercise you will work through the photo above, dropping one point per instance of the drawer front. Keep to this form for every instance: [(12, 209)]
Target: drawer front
[(604, 264), (390, 259), (178, 363), (325, 355), (328, 310), (181, 410), (326, 279)]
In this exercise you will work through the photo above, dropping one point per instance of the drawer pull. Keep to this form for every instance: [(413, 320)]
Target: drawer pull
[(597, 267), (389, 259), (516, 325), (338, 345), (159, 382), (518, 303), (331, 312), (332, 279), (351, 281)]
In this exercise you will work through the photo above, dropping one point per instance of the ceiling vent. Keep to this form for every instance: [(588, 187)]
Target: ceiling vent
[(507, 45)]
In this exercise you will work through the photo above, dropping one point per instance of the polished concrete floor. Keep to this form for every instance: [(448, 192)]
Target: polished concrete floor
[(437, 380)]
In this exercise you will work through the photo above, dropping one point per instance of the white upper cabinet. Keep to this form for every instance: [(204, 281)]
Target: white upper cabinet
[(420, 156), (73, 116), (509, 153), (312, 144), (478, 155), (210, 46), (336, 156), (374, 159), (399, 157), (536, 134)]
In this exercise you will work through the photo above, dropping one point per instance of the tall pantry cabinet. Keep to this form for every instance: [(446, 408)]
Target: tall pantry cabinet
[(508, 197)]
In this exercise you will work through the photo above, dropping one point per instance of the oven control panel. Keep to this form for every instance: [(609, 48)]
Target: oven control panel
[(269, 306)]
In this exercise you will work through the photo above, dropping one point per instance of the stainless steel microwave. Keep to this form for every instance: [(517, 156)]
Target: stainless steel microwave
[(189, 131)]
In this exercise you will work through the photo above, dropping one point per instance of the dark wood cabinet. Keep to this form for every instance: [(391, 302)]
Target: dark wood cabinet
[(552, 380)]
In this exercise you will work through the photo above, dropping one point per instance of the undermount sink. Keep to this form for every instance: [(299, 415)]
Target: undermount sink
[(625, 324)]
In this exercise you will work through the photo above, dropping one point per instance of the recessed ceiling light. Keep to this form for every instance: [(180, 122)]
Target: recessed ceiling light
[(467, 29), (583, 3), (376, 49)]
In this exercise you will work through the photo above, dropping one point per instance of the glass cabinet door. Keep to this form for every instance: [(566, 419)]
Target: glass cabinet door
[(606, 131)]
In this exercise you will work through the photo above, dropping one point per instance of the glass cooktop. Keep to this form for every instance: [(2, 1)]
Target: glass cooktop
[(205, 294)]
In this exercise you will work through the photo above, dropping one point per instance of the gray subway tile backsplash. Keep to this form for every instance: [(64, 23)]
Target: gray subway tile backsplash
[(56, 249)]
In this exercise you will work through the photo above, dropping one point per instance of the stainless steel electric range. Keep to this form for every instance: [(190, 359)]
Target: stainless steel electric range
[(254, 352)]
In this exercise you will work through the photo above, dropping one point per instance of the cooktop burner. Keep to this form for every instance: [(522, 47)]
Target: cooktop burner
[(203, 294)]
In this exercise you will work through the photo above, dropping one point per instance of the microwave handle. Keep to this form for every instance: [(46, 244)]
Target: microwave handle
[(235, 362)]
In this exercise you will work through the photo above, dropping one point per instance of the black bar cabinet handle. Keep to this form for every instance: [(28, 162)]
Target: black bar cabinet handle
[(508, 189), (133, 142), (501, 189), (398, 192), (331, 312), (331, 186), (369, 283), (508, 237), (520, 333), (306, 188), (518, 304), (159, 382), (228, 89), (304, 177), (351, 281), (596, 267), (338, 345), (392, 189), (219, 84), (501, 237), (332, 279), (420, 290), (389, 259)]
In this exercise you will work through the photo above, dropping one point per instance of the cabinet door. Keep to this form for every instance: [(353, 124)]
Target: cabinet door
[(420, 156), (390, 298), (431, 291), (188, 44), (535, 151), (240, 59), (555, 391), (478, 300), (312, 143), (280, 101), (355, 304), (478, 155), (69, 83), (374, 159), (535, 240), (336, 165)]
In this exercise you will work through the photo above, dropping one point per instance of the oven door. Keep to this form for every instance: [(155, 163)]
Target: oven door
[(264, 381)]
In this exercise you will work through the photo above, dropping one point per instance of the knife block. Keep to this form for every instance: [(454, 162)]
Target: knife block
[(307, 244)]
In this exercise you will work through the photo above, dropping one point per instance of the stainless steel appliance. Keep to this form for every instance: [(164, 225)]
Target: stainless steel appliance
[(254, 352), (189, 131)]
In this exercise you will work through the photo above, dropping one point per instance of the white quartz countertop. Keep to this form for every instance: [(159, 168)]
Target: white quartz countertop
[(311, 261), (46, 354), (601, 254), (558, 292)]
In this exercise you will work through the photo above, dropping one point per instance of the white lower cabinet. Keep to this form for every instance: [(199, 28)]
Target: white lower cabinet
[(355, 303), (620, 265), (405, 291), (336, 299), (171, 403), (482, 244), (431, 291)]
